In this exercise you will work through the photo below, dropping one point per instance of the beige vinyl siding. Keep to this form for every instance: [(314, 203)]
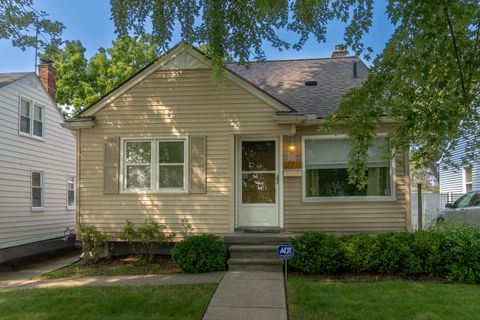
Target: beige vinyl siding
[(344, 216), (179, 103), (54, 155)]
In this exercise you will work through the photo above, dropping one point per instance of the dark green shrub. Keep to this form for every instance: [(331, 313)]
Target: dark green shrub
[(461, 247), (317, 253), (450, 251), (361, 251), (396, 254), (429, 247), (200, 253)]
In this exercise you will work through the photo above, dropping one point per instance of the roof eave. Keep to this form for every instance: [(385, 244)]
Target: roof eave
[(79, 123), (310, 119)]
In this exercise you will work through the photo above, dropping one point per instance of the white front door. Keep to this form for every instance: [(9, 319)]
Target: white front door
[(257, 183)]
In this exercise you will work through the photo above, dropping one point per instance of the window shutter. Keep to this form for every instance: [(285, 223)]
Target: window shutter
[(111, 166), (198, 164)]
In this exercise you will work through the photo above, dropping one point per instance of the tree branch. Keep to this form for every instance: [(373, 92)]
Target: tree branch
[(455, 47)]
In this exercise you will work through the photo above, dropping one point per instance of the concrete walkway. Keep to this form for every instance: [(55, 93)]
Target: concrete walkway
[(12, 278), (249, 295), (139, 280)]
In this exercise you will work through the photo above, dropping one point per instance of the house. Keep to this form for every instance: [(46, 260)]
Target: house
[(463, 178), (171, 143), (37, 167)]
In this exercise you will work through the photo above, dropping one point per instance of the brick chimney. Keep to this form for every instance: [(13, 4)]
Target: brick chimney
[(339, 51), (48, 75)]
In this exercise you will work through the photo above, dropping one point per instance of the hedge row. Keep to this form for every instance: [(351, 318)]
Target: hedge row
[(446, 251)]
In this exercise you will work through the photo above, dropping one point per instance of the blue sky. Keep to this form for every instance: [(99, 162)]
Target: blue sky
[(89, 21)]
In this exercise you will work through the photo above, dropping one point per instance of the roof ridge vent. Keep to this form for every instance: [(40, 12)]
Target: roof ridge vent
[(310, 83)]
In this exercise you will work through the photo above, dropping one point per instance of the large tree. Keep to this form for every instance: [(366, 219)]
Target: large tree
[(239, 28), (81, 81), (26, 27), (427, 78)]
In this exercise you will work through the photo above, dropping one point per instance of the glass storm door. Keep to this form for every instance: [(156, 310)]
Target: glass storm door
[(258, 183)]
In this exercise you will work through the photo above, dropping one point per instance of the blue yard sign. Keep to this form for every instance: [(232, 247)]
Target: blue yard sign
[(285, 251)]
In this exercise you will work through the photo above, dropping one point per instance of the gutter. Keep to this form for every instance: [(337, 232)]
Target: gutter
[(311, 119)]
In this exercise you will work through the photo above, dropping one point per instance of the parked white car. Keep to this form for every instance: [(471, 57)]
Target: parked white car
[(465, 209)]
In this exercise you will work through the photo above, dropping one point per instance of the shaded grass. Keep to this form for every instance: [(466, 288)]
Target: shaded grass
[(310, 298), (129, 265), (147, 302)]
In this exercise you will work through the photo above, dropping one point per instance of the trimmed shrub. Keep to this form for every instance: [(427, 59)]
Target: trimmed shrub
[(200, 253), (449, 251), (317, 253), (397, 255), (361, 251), (461, 252)]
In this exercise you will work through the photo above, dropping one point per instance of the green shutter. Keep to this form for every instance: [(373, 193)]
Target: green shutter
[(198, 164), (111, 166)]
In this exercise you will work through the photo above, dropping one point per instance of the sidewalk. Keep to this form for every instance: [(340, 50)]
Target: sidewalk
[(139, 280), (249, 295), (12, 278)]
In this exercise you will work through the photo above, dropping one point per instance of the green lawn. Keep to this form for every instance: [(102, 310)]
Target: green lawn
[(309, 298), (114, 267), (119, 303)]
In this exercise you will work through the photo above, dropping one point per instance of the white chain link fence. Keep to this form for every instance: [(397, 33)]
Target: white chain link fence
[(432, 204)]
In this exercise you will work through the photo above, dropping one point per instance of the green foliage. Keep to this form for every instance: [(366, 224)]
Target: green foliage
[(80, 82), (146, 238), (240, 28), (187, 228), (200, 253), (317, 253), (19, 22), (447, 251), (426, 79), (93, 242), (397, 254), (360, 251)]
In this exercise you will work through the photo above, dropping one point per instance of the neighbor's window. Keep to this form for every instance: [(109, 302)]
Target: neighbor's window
[(467, 174), (37, 120), (326, 164), (71, 192), (37, 189), (157, 165), (31, 118), (25, 116)]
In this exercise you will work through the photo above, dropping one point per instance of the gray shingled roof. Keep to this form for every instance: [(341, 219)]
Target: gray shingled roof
[(285, 80), (7, 78)]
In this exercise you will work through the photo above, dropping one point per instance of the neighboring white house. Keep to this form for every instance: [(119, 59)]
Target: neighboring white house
[(37, 167), (464, 179)]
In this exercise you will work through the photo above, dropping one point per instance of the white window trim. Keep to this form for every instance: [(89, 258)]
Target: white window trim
[(154, 165), (391, 197), (74, 192), (32, 116), (464, 177), (42, 184)]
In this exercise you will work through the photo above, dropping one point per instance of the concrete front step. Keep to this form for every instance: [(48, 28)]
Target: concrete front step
[(253, 251), (255, 264), (245, 238)]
